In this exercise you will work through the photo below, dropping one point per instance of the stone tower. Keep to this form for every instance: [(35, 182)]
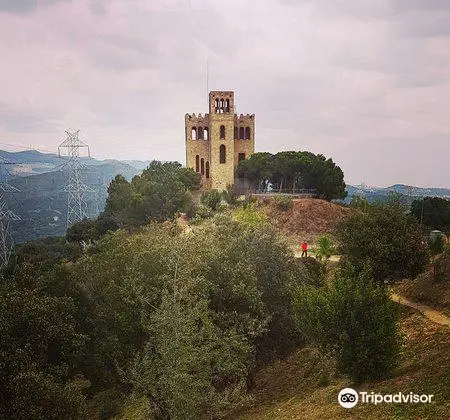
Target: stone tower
[(217, 141)]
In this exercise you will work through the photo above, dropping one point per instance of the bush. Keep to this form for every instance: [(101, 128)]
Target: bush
[(249, 216), (436, 245), (229, 195), (325, 248), (202, 212), (315, 268), (354, 320), (283, 202), (386, 238), (211, 198)]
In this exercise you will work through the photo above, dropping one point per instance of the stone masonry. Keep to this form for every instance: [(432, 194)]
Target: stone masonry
[(217, 141)]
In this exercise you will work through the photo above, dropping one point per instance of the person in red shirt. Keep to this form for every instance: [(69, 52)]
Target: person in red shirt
[(304, 249)]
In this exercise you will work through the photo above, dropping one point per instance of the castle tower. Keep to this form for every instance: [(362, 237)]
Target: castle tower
[(217, 141)]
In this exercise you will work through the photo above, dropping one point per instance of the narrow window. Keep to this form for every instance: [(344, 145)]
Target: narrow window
[(222, 153), (235, 133), (200, 133), (194, 133), (228, 105), (207, 170), (241, 156), (247, 133), (202, 166), (206, 134), (197, 163), (241, 133), (222, 131)]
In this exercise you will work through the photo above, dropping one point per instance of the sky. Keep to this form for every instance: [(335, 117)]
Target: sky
[(366, 83)]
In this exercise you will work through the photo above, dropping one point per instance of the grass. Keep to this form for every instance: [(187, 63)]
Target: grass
[(428, 289), (305, 386)]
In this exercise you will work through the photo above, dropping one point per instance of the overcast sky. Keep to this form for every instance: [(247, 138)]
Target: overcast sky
[(366, 82)]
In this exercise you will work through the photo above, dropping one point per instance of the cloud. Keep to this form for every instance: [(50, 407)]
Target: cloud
[(24, 6), (366, 83)]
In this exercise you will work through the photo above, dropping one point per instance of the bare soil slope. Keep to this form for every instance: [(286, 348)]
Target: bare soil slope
[(308, 218)]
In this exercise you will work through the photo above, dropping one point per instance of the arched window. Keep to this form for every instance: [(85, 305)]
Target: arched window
[(235, 132), (197, 163), (207, 170), (228, 105), (222, 154), (200, 133), (247, 133), (206, 134), (216, 102), (194, 133), (202, 166), (222, 131), (241, 133)]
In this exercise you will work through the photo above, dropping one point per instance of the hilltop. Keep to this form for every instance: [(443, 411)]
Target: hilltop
[(307, 218)]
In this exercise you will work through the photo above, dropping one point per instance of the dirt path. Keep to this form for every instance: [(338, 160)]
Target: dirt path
[(429, 313)]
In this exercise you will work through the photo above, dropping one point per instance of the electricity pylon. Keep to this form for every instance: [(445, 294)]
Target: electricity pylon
[(76, 204), (6, 215)]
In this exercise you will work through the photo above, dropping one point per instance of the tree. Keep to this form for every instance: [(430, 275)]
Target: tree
[(158, 193), (354, 320), (433, 212), (38, 354), (324, 247), (386, 238), (211, 198), (293, 170), (257, 169), (85, 230)]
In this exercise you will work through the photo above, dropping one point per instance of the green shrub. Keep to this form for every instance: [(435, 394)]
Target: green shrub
[(249, 216), (386, 238), (354, 320), (202, 212), (283, 202), (315, 268), (229, 195), (436, 245), (325, 248), (211, 198)]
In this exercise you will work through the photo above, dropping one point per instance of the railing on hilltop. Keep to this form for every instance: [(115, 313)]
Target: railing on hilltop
[(296, 192)]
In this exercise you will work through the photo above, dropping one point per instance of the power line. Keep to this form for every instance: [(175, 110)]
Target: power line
[(76, 204), (6, 215)]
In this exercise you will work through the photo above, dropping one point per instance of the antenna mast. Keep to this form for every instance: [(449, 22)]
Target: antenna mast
[(207, 83), (76, 204)]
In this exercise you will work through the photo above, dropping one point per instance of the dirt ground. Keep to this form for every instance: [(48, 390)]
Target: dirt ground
[(307, 219)]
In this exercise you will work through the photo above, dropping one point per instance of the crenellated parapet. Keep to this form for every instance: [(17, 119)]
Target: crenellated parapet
[(194, 119), (243, 119)]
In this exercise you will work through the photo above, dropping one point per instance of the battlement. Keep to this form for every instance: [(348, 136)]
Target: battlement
[(196, 119), (247, 118)]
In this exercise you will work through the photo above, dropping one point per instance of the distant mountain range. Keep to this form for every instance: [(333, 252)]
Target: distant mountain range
[(42, 202), (408, 192)]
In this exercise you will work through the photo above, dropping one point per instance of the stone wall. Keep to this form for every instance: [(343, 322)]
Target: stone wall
[(221, 108)]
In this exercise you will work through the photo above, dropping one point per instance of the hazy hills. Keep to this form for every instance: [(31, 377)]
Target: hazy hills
[(409, 193), (42, 202)]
